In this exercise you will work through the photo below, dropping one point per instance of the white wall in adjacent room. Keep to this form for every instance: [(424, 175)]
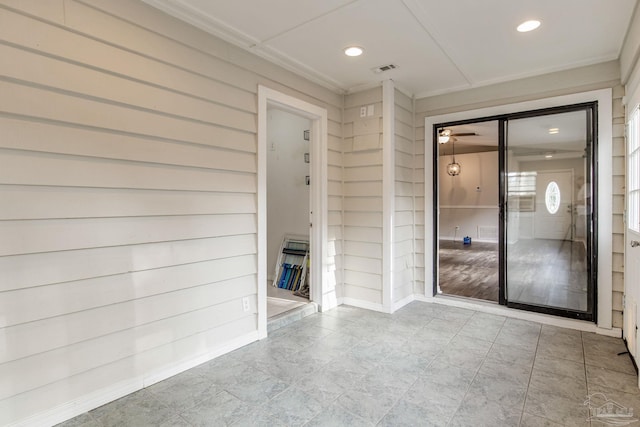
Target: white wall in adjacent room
[(287, 191), (469, 201)]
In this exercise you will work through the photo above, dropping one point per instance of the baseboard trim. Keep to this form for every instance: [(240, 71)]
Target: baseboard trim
[(105, 395), (364, 304), (404, 301)]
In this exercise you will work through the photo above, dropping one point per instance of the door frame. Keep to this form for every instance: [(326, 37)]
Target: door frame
[(319, 292), (602, 205)]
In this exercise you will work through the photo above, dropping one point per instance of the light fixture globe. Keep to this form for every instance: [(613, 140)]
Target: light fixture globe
[(444, 136), (453, 168)]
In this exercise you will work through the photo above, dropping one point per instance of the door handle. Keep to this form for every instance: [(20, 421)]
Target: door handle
[(635, 243)]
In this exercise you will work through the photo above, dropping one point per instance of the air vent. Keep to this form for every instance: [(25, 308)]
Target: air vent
[(384, 68), (487, 232)]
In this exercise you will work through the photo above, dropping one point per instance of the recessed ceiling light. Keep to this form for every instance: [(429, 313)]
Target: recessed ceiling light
[(548, 156), (353, 51), (553, 131), (528, 26)]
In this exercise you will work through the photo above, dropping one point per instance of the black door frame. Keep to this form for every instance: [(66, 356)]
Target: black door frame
[(591, 110)]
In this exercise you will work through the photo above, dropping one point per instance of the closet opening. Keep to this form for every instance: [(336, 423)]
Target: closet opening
[(312, 214), (288, 211)]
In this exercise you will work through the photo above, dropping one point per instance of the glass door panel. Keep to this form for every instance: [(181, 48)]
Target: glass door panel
[(468, 210), (548, 206)]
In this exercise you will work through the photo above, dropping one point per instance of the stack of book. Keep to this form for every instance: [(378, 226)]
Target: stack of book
[(292, 264)]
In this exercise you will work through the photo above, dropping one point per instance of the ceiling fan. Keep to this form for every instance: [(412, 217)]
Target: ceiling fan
[(445, 135)]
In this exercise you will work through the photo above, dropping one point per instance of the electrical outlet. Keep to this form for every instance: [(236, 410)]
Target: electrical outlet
[(363, 111), (246, 306)]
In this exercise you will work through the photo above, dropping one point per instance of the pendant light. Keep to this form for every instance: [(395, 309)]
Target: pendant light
[(453, 168)]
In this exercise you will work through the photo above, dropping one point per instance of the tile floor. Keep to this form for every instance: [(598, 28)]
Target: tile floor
[(425, 365)]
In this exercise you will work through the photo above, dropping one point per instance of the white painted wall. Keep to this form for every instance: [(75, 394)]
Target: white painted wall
[(287, 192), (469, 201)]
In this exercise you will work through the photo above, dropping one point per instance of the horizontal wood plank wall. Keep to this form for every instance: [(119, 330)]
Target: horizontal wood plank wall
[(599, 76), (127, 197), (334, 196), (419, 204), (619, 203), (362, 200), (403, 221)]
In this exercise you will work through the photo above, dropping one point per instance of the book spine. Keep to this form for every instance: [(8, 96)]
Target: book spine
[(283, 275), (288, 278), (294, 285)]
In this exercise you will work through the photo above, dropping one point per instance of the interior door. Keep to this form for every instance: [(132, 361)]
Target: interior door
[(632, 272), (632, 238), (554, 206)]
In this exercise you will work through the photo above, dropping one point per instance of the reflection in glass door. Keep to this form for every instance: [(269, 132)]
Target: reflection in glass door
[(548, 211)]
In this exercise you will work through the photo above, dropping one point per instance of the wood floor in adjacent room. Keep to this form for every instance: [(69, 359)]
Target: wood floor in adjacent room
[(540, 272), (469, 270)]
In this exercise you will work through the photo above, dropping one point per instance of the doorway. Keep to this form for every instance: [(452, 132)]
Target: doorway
[(318, 236), (544, 181), (288, 211)]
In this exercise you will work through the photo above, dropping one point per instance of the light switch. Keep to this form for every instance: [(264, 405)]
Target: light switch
[(370, 110)]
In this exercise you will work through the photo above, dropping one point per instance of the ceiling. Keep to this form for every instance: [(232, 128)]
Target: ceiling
[(438, 46)]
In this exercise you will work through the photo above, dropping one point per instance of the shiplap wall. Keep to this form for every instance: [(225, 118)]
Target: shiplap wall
[(583, 79), (127, 198), (419, 204), (619, 204), (362, 170), (334, 203), (403, 219)]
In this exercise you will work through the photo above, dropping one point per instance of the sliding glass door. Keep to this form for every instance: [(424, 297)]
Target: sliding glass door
[(513, 208), (548, 205)]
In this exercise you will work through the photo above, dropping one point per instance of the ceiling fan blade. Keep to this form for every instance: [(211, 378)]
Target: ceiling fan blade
[(464, 134)]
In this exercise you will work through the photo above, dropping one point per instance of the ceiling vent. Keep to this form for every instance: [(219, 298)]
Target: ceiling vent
[(384, 68)]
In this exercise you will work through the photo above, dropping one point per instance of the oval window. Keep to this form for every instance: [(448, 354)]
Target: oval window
[(552, 197)]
